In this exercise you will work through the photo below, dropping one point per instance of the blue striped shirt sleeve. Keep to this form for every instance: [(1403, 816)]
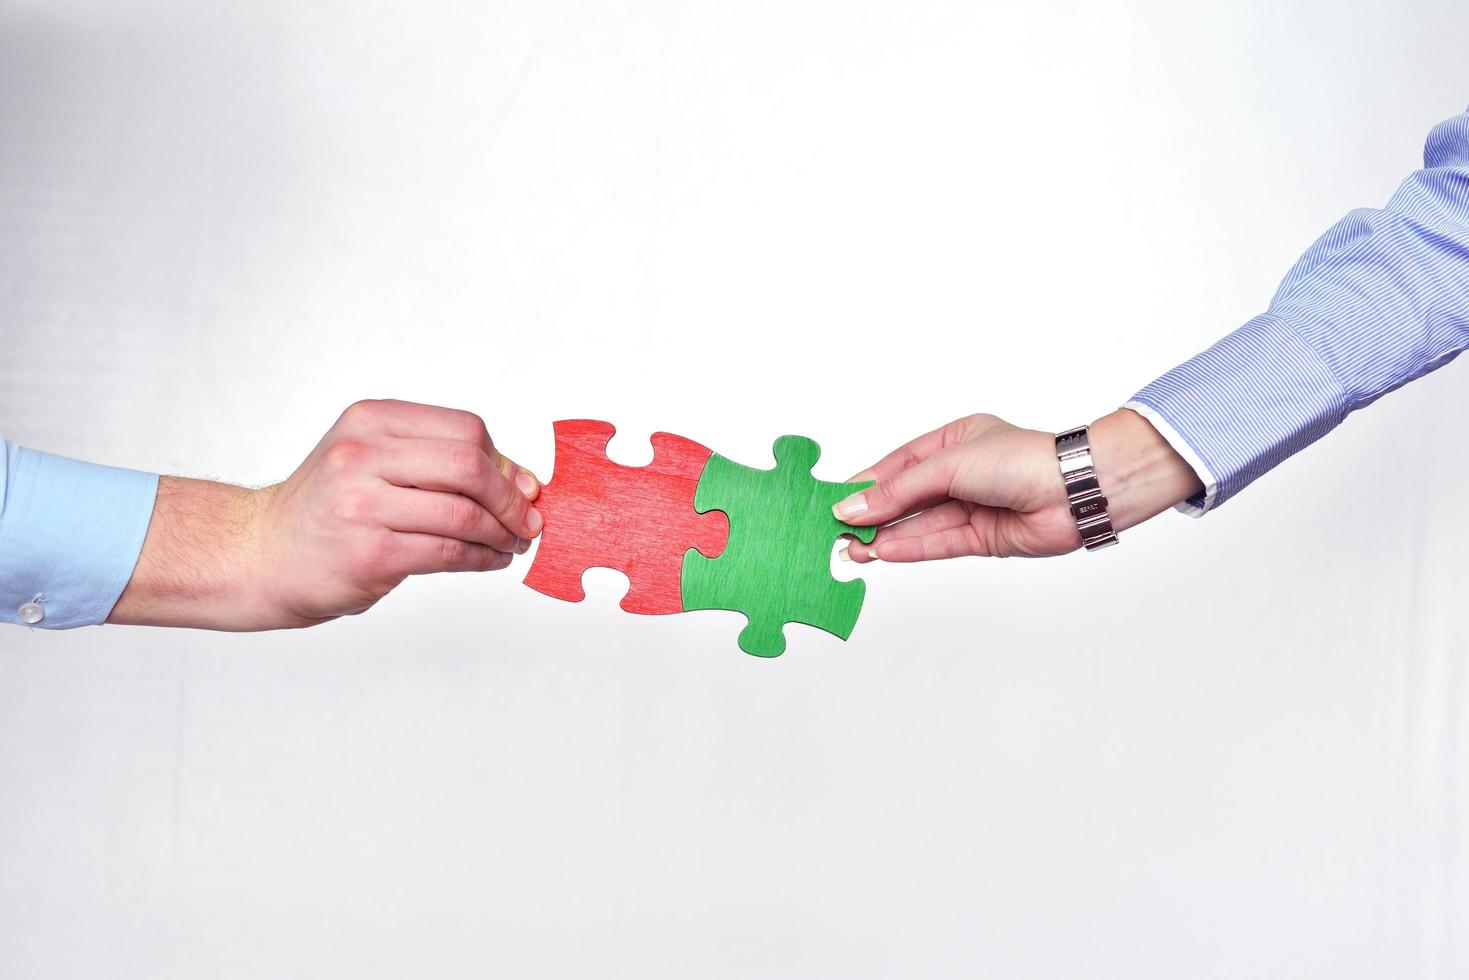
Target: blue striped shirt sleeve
[(70, 535), (1380, 299)]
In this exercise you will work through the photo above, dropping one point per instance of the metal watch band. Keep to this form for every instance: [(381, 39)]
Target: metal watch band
[(1088, 504)]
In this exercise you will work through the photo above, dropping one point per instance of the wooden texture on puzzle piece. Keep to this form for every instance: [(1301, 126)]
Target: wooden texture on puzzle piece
[(639, 520), (776, 568)]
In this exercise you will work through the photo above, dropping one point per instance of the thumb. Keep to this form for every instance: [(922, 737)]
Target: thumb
[(918, 487)]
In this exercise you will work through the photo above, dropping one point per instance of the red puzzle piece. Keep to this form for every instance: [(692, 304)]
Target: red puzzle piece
[(637, 519)]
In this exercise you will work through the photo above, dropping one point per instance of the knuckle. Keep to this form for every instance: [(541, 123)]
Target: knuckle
[(346, 455), (467, 463), (463, 517), (364, 410), (886, 491), (471, 426), (453, 552), (354, 506), (973, 425)]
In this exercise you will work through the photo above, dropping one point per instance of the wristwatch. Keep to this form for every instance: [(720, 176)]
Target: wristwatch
[(1088, 504)]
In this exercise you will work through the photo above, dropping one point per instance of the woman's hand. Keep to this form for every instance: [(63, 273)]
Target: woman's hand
[(981, 486)]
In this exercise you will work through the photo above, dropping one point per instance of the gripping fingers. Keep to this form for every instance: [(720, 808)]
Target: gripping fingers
[(953, 514), (458, 467), (954, 542), (942, 517), (919, 486), (411, 420), (909, 454), (912, 453), (449, 515), (420, 554), (525, 481)]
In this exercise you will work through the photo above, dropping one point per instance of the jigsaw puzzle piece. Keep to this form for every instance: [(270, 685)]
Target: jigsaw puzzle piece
[(776, 568), (639, 520)]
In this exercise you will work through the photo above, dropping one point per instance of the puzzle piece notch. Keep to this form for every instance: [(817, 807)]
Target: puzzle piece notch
[(638, 520), (776, 568)]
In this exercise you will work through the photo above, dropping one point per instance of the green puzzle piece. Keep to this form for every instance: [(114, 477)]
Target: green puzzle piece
[(776, 568)]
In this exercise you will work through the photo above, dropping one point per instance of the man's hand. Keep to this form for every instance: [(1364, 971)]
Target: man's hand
[(981, 486), (393, 489)]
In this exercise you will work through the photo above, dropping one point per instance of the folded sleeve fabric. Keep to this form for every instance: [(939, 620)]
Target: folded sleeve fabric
[(1380, 299), (70, 535)]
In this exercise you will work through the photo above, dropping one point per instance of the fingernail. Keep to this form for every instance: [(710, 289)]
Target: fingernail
[(521, 545), (845, 554), (526, 483), (851, 507), (534, 520), (872, 553), (863, 477)]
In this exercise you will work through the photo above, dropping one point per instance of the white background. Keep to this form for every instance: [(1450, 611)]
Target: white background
[(1236, 747)]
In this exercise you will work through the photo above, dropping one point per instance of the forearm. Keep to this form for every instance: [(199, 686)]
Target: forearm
[(1139, 472), (198, 560)]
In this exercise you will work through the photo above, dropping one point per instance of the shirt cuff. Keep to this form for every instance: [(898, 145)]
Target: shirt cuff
[(1243, 406), (70, 536)]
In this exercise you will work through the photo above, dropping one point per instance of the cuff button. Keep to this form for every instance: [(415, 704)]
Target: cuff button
[(31, 613)]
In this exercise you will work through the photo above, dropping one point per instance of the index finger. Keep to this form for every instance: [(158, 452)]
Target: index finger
[(412, 420), (913, 488), (457, 467), (912, 453)]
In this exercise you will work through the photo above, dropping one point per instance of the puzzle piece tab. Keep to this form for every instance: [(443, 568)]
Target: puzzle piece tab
[(776, 568), (639, 520)]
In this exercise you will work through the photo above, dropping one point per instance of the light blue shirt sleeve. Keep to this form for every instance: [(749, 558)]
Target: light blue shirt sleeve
[(70, 535), (1380, 299)]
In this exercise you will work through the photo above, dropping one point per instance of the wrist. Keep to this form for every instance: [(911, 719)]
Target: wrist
[(201, 560), (1139, 472)]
